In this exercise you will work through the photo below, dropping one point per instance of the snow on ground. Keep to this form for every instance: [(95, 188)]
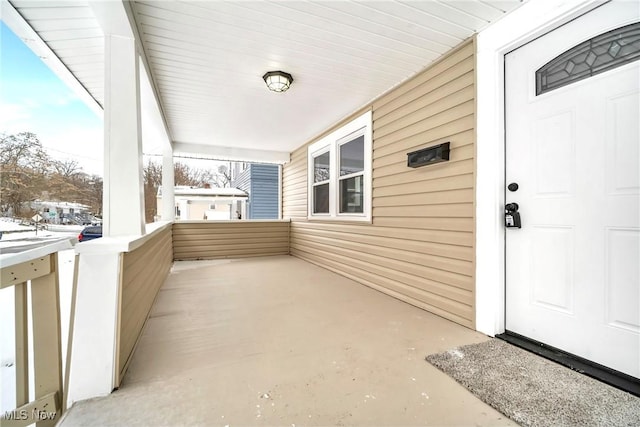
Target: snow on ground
[(8, 224), (25, 234), (13, 230), (66, 260)]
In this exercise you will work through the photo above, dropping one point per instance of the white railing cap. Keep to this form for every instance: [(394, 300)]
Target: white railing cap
[(106, 245), (39, 250)]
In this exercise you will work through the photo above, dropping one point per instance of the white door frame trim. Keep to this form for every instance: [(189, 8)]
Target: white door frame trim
[(521, 26)]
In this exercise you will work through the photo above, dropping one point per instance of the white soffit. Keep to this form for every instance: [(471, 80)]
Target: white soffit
[(207, 59)]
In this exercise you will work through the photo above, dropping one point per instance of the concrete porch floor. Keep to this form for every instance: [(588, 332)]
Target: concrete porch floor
[(279, 341)]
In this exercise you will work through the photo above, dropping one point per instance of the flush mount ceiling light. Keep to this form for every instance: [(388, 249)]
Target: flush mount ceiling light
[(277, 81)]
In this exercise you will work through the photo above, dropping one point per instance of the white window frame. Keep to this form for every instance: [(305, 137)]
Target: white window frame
[(319, 152), (360, 126)]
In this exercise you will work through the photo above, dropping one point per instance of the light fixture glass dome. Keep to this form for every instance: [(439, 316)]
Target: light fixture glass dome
[(278, 81)]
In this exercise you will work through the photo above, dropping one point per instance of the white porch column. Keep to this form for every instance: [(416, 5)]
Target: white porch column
[(95, 321), (184, 209), (168, 187), (94, 365), (93, 360), (124, 189)]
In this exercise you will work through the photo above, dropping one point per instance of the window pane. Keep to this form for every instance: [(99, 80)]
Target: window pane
[(321, 167), (602, 53), (321, 198), (351, 195), (352, 156)]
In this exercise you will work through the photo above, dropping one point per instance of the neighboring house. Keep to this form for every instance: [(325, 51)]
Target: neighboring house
[(206, 203), (62, 212), (260, 182)]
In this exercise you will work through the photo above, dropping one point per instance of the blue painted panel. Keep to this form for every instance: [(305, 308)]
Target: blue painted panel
[(263, 194), (260, 181)]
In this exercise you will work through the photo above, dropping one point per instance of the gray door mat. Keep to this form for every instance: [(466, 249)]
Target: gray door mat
[(534, 391)]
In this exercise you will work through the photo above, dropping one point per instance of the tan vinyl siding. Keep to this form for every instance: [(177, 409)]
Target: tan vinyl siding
[(193, 240), (420, 245), (144, 270), (294, 181)]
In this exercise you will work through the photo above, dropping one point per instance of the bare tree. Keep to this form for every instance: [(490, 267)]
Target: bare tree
[(28, 173), (67, 168), (152, 174), (223, 178), (95, 191), (184, 175), (24, 166)]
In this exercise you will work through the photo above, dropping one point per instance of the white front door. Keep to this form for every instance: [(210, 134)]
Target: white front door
[(572, 146)]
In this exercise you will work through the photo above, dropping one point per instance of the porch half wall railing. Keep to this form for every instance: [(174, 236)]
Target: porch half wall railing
[(197, 240), (144, 271), (36, 272), (118, 279)]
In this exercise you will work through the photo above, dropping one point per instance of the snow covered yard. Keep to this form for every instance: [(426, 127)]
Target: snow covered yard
[(11, 224)]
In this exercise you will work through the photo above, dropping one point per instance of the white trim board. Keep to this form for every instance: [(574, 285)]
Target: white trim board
[(521, 26), (232, 153)]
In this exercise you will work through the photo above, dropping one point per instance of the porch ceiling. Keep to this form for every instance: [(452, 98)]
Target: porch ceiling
[(207, 59)]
